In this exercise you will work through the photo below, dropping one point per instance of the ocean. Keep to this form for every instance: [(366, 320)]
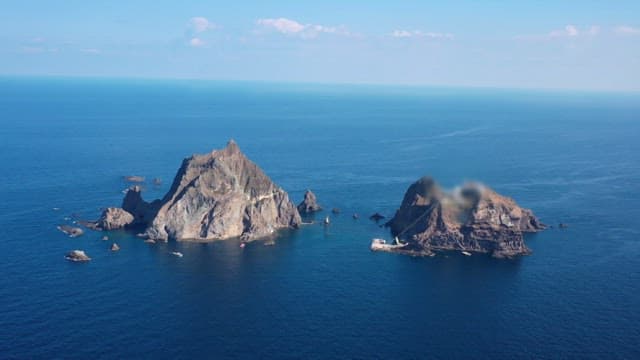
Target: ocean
[(319, 293)]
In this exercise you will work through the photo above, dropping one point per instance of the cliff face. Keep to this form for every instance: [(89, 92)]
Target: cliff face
[(217, 196), (471, 218)]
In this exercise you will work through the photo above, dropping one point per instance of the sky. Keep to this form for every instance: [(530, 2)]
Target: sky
[(590, 45)]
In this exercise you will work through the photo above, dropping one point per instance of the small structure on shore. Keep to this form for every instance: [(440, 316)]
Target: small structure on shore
[(381, 245)]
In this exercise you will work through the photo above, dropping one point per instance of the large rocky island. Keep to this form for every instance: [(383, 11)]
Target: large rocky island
[(214, 196), (472, 218)]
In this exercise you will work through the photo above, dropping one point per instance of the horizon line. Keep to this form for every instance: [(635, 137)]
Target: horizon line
[(328, 83)]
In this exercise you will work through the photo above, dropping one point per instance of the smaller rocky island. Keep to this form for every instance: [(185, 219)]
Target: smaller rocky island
[(310, 204), (72, 231), (77, 256), (471, 218)]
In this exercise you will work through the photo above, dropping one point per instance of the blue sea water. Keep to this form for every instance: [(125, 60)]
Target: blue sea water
[(319, 292)]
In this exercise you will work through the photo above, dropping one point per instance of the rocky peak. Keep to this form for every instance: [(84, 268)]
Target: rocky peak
[(232, 147), (220, 195), (309, 204)]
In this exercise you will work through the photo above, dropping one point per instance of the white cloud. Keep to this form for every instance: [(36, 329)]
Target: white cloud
[(568, 31), (420, 34), (402, 33), (282, 25), (294, 28), (196, 42), (32, 50), (626, 30), (200, 24)]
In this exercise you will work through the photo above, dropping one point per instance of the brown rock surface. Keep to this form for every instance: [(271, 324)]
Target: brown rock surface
[(215, 196), (114, 218), (472, 218)]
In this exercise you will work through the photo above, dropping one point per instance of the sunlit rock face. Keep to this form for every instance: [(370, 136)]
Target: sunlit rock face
[(216, 196)]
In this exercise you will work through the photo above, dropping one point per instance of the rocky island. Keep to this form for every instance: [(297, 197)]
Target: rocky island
[(472, 218), (309, 204), (214, 196)]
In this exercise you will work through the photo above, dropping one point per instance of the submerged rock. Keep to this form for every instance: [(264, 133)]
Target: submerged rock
[(335, 211), (71, 230), (310, 204), (377, 217), (157, 182), (105, 238), (214, 196), (77, 256), (472, 218)]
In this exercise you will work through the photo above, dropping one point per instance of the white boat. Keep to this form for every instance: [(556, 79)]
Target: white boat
[(326, 220), (177, 253), (466, 253)]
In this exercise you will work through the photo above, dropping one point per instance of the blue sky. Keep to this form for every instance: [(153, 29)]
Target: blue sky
[(523, 44)]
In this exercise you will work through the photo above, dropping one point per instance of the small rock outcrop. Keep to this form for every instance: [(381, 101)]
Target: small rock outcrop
[(215, 196), (114, 218), (472, 218), (134, 178), (71, 230), (115, 247), (77, 256), (310, 204)]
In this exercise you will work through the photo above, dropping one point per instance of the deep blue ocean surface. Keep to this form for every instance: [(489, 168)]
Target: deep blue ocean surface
[(319, 292)]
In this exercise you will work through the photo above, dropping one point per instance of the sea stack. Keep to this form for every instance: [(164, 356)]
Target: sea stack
[(310, 204), (216, 196), (472, 218)]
